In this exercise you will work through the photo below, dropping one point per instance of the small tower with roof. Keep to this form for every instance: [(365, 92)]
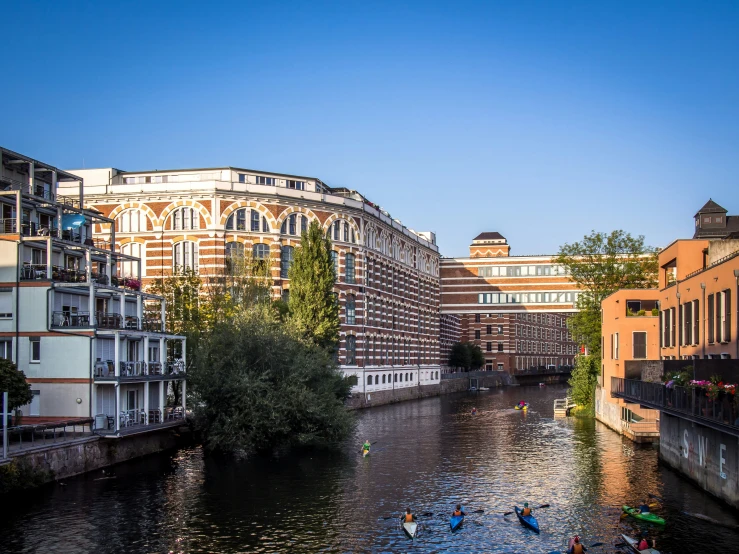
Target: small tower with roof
[(489, 245), (710, 221)]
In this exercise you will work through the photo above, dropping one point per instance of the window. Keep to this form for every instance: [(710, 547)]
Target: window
[(303, 224), (477, 334), (286, 295), (350, 310), (129, 267), (260, 251), (351, 351), (6, 305), (477, 318), (696, 322), (615, 346), (335, 260), (346, 232), (234, 256), (183, 219), (268, 181), (242, 178), (500, 329), (35, 349), (369, 379), (184, 256), (6, 349), (640, 345), (297, 185), (255, 220), (383, 378), (500, 367), (237, 220), (490, 329), (131, 221), (349, 268), (489, 347), (500, 347), (286, 259)]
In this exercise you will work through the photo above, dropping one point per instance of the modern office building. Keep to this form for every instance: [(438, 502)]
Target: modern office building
[(90, 342), (206, 219), (514, 307)]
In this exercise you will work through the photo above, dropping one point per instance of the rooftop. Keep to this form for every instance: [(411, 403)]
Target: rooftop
[(711, 208), (489, 235)]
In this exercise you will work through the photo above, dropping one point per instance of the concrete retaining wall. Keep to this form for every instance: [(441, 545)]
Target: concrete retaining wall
[(708, 457), (607, 412), (76, 457)]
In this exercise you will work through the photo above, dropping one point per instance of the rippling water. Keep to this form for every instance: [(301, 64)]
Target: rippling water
[(430, 455)]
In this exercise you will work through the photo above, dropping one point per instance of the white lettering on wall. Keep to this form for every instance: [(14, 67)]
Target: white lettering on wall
[(701, 450), (722, 461), (685, 442)]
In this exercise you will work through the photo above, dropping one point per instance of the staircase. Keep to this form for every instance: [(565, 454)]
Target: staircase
[(562, 406)]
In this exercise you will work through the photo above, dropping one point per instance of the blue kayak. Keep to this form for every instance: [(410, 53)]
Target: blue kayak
[(455, 522), (527, 521)]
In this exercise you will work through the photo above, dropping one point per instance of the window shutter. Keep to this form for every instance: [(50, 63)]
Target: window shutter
[(727, 319), (661, 329), (710, 318), (719, 314), (640, 345), (681, 314), (673, 323), (696, 322)]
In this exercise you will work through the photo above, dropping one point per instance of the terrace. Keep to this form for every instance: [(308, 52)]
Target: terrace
[(139, 370)]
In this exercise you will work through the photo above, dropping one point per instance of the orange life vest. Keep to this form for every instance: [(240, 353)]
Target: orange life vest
[(457, 513), (577, 548), (409, 518), (526, 512)]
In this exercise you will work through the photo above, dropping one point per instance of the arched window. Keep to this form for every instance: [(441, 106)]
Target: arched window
[(411, 377), (437, 374), (383, 378), (335, 260), (369, 379), (346, 232), (184, 256), (260, 251), (377, 379), (247, 219), (184, 219), (351, 352), (130, 268), (350, 308), (286, 259), (234, 256), (289, 225), (406, 377), (395, 378), (337, 230), (349, 268), (303, 224), (131, 221)]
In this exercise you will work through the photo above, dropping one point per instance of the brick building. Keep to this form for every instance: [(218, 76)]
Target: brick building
[(205, 219), (450, 332)]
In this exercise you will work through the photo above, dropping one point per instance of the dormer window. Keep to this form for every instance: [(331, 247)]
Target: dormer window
[(707, 219), (718, 219)]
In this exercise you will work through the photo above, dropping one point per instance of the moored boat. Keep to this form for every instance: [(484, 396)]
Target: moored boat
[(633, 543), (527, 521), (649, 517), (455, 522)]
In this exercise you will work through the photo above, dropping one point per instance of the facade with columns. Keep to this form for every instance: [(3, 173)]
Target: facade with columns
[(206, 219), (89, 341)]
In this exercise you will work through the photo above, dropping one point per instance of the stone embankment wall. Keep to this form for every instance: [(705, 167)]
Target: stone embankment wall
[(707, 456), (76, 457)]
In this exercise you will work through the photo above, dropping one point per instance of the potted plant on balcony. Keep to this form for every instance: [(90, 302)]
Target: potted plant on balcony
[(132, 283), (655, 311)]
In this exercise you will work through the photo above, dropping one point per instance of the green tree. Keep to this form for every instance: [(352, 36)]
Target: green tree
[(583, 380), (260, 386), (477, 358), (313, 308), (460, 356), (13, 381)]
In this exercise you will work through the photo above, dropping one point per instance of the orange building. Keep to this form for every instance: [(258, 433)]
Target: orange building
[(630, 335)]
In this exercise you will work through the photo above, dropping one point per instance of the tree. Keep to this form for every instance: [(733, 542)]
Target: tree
[(477, 358), (313, 308), (13, 381), (260, 386), (583, 380), (600, 265), (460, 356)]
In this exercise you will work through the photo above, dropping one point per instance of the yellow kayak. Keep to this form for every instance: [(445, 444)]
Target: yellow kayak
[(524, 408)]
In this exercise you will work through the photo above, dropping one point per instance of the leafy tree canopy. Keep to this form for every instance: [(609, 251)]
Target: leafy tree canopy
[(13, 381), (466, 355)]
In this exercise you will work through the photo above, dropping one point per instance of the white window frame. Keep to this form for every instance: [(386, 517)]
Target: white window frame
[(31, 342)]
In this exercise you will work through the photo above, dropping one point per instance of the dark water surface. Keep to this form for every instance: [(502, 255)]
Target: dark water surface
[(430, 455)]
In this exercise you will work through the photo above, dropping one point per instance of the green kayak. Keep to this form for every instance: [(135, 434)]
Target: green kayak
[(648, 516)]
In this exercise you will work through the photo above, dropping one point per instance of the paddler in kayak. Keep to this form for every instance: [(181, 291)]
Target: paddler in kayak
[(474, 411), (526, 510), (458, 511), (366, 447), (521, 404), (644, 543), (576, 547), (408, 517), (644, 508)]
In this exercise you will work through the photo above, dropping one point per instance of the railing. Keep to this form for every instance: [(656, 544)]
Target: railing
[(70, 319), (133, 369), (24, 437), (693, 403), (152, 325), (105, 369), (105, 320), (174, 367), (36, 190)]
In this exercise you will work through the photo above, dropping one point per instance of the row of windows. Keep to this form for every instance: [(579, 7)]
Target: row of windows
[(541, 333), (527, 362), (386, 278), (521, 271), (544, 319), (237, 221), (527, 298), (399, 351), (385, 315), (639, 345), (545, 347), (684, 326), (272, 182)]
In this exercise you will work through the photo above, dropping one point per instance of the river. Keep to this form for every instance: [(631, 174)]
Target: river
[(429, 455)]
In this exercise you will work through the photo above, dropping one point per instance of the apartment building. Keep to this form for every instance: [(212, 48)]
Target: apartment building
[(89, 341), (450, 332), (514, 307), (630, 333), (207, 219)]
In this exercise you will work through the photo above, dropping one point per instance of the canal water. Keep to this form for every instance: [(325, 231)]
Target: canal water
[(429, 455)]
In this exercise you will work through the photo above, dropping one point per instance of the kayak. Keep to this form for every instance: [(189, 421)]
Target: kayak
[(365, 453), (527, 521), (648, 516), (525, 407), (632, 544), (455, 522), (410, 529)]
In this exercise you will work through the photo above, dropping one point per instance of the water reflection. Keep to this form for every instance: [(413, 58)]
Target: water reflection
[(429, 455)]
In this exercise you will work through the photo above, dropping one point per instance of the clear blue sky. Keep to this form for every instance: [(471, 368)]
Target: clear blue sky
[(540, 120)]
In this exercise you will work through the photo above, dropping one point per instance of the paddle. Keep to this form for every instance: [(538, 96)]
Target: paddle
[(362, 449), (424, 514), (650, 495), (539, 508)]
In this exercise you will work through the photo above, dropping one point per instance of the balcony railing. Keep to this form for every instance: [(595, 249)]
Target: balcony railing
[(105, 320), (105, 369), (70, 319), (42, 190), (692, 403)]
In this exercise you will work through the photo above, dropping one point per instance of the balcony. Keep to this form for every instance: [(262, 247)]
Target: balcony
[(689, 403), (139, 370), (40, 189), (136, 421), (72, 320)]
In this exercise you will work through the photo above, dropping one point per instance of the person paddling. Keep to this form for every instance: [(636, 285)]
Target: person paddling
[(576, 547), (644, 508), (474, 411), (521, 404), (366, 447), (526, 510), (409, 517), (644, 543), (458, 511)]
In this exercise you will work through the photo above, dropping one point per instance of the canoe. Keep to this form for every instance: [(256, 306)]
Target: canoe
[(455, 522), (410, 529), (649, 517), (527, 521), (632, 543)]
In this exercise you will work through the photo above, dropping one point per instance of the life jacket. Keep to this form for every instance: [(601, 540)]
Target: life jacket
[(526, 512), (457, 513), (409, 518), (577, 548), (643, 545)]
